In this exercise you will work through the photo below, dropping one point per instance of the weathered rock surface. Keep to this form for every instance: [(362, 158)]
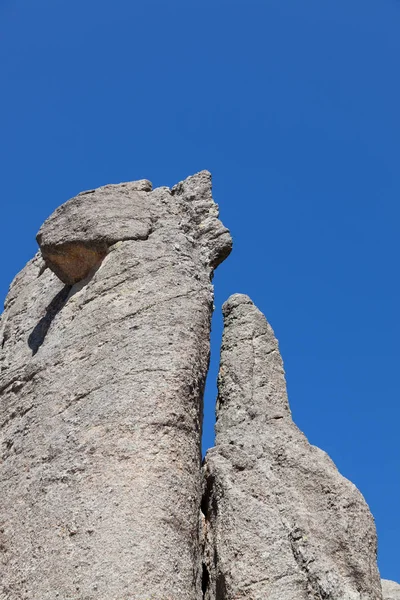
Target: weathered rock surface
[(390, 589), (104, 350), (101, 384), (280, 521)]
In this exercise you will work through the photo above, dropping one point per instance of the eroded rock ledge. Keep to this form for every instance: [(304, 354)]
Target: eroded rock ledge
[(76, 237)]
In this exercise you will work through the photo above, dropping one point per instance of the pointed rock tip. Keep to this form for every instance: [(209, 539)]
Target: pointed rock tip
[(203, 175), (246, 319), (202, 179), (234, 301)]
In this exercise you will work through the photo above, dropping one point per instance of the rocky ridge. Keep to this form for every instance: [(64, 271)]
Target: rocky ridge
[(103, 359)]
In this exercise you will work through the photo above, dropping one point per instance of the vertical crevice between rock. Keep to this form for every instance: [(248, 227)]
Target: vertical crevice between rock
[(205, 580)]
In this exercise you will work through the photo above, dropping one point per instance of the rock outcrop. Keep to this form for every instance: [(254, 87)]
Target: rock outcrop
[(390, 589), (280, 521), (104, 351), (101, 382)]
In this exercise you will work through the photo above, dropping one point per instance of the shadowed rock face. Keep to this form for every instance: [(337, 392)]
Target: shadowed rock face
[(391, 590), (101, 383), (280, 521)]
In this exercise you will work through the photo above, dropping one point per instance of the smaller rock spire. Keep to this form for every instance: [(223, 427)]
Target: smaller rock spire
[(251, 380), (280, 522)]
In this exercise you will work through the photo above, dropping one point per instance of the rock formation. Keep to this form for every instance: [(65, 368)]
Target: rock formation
[(280, 521), (391, 590), (102, 377), (104, 351)]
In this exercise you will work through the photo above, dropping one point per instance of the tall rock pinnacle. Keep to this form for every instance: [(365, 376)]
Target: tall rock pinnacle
[(102, 367), (104, 351), (280, 522)]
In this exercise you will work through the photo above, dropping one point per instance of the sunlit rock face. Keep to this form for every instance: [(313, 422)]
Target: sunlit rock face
[(280, 522), (104, 353)]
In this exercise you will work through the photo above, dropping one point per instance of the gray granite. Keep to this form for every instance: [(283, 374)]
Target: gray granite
[(101, 391), (280, 522)]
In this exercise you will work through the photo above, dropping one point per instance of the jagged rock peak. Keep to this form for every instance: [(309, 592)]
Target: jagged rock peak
[(280, 522), (77, 236), (390, 589)]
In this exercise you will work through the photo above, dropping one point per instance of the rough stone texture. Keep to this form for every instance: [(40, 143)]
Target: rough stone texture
[(390, 589), (280, 522), (104, 350), (76, 237), (101, 384)]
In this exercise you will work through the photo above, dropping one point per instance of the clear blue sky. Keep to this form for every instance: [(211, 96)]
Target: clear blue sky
[(295, 108)]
